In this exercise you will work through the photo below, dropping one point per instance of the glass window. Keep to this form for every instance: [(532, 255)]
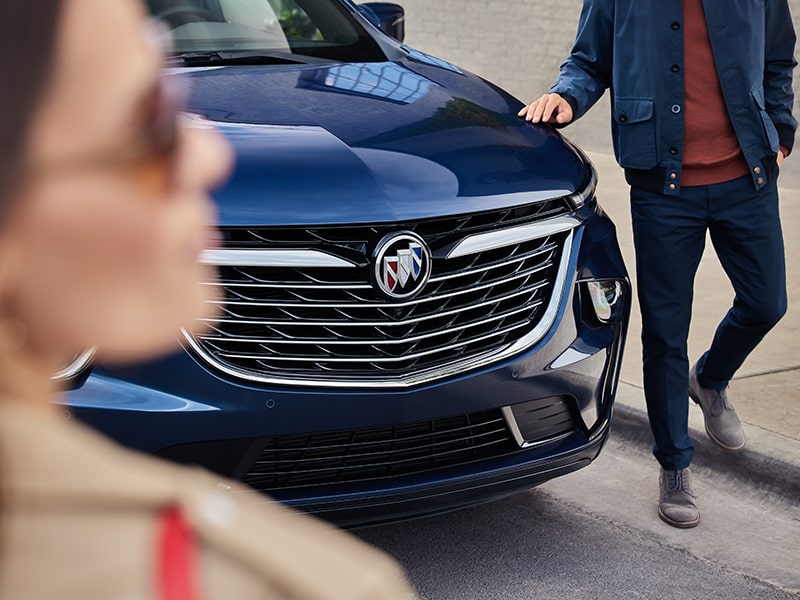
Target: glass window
[(295, 22), (264, 31)]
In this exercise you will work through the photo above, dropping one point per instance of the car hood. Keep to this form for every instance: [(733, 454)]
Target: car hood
[(375, 142)]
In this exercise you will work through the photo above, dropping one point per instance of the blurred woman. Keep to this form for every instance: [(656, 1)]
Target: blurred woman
[(104, 211)]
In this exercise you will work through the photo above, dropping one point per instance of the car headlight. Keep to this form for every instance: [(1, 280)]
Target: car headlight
[(608, 299), (75, 368)]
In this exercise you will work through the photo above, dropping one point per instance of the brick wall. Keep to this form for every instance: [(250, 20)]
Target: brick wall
[(518, 44)]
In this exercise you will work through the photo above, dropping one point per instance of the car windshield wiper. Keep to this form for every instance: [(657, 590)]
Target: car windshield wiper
[(244, 57)]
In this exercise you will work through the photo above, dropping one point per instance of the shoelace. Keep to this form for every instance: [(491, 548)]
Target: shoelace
[(676, 482), (720, 402)]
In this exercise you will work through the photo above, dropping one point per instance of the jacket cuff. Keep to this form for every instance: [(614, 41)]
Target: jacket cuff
[(785, 136)]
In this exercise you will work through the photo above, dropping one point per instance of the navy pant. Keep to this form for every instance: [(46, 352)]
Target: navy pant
[(669, 238)]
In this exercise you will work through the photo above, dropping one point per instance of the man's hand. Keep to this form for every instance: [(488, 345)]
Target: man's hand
[(780, 158), (550, 108)]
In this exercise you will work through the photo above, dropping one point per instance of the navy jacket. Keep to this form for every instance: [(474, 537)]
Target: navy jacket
[(630, 47)]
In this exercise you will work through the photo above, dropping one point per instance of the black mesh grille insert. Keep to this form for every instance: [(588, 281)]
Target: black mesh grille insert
[(543, 418), (379, 452)]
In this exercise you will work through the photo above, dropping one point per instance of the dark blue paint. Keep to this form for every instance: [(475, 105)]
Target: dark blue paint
[(372, 142), (407, 138)]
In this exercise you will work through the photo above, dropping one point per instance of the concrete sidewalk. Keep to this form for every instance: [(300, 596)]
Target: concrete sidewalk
[(765, 392)]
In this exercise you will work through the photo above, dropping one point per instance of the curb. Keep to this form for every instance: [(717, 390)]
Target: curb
[(768, 465)]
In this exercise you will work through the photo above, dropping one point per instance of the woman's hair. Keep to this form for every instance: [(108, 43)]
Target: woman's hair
[(28, 32)]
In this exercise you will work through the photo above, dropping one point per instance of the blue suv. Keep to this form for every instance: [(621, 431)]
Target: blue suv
[(422, 305)]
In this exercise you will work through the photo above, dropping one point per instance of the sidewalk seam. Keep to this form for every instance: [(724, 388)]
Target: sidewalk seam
[(767, 475)]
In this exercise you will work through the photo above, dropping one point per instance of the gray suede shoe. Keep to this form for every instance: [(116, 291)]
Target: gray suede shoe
[(722, 423), (676, 500)]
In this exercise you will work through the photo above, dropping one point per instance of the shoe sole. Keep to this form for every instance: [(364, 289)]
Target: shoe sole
[(678, 524), (711, 435), (724, 446)]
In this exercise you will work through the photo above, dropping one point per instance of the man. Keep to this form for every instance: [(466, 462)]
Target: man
[(701, 97)]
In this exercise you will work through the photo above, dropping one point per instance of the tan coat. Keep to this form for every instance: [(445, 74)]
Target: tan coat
[(79, 521)]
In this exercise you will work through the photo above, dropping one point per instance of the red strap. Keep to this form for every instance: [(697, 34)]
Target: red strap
[(176, 558)]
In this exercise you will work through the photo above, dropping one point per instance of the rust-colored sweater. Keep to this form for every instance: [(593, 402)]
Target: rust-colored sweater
[(711, 152)]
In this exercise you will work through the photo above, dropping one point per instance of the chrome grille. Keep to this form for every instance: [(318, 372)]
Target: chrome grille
[(323, 322)]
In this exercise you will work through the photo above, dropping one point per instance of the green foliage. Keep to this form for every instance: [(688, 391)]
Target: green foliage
[(296, 24)]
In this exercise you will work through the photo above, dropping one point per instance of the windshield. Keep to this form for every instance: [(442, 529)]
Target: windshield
[(264, 31)]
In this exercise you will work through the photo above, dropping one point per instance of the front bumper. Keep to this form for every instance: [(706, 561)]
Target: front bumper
[(181, 410)]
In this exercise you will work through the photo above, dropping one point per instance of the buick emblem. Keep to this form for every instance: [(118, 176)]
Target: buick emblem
[(401, 265)]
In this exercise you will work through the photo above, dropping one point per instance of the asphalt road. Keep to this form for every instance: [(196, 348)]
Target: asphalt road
[(595, 534), (534, 545)]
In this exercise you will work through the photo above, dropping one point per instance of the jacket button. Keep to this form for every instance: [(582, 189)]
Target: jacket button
[(675, 68), (673, 175), (672, 186), (676, 108), (675, 25), (760, 180), (623, 118), (757, 170), (673, 150)]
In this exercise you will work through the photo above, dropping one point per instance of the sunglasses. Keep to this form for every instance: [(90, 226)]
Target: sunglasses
[(151, 153)]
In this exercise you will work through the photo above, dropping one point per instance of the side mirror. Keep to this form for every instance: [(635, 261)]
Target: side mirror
[(387, 16)]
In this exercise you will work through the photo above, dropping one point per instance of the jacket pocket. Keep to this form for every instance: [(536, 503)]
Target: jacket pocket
[(770, 131), (635, 133)]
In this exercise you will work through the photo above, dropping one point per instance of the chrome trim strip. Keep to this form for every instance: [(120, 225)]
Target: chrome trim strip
[(364, 342), (272, 258), (374, 360), (543, 249), (549, 247), (76, 366), (570, 356), (549, 316), (537, 443), (388, 305), (511, 421), (456, 368), (288, 286), (538, 285), (492, 240)]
